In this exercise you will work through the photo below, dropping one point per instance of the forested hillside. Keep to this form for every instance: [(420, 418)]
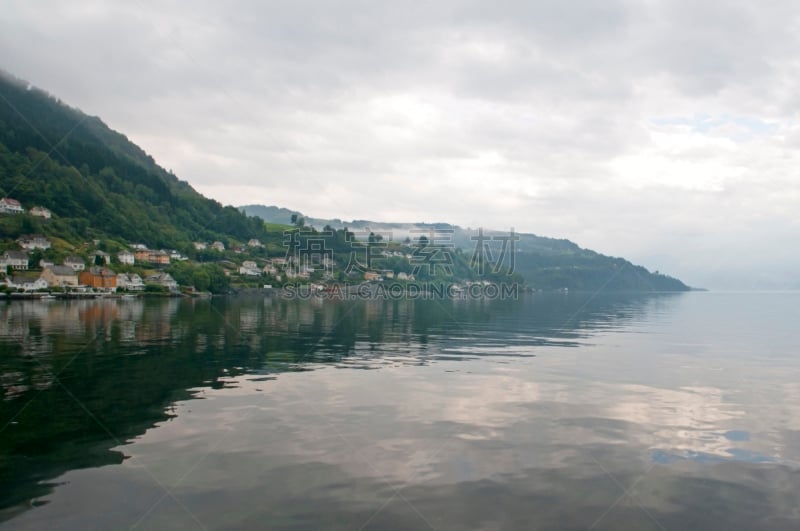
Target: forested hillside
[(544, 263), (96, 182)]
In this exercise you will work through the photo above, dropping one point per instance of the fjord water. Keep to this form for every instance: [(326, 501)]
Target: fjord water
[(556, 411)]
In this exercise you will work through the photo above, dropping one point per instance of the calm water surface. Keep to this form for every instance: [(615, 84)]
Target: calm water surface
[(551, 412)]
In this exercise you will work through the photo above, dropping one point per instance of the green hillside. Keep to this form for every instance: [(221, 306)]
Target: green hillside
[(544, 263), (96, 182)]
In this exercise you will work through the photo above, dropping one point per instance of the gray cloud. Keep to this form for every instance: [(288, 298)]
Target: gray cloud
[(659, 131)]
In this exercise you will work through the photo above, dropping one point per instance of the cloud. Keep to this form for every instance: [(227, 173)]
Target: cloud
[(643, 129)]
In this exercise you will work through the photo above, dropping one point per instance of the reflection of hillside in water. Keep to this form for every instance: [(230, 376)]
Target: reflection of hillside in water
[(127, 361), (311, 330)]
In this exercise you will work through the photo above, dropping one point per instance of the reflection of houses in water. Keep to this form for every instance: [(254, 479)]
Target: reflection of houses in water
[(14, 384), (130, 310), (12, 322), (372, 309), (64, 317), (24, 333), (152, 330), (98, 313), (42, 377), (172, 305), (249, 319), (156, 322), (289, 315), (275, 318), (129, 313), (85, 317), (201, 342), (305, 315), (16, 318)]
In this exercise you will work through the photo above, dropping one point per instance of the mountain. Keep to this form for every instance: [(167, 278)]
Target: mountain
[(101, 186), (96, 182), (545, 263)]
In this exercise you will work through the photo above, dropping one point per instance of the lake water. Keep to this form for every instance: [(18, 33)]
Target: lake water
[(557, 411)]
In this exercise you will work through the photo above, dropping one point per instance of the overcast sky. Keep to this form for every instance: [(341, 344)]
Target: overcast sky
[(662, 131)]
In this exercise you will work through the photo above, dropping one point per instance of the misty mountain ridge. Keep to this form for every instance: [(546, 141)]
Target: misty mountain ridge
[(547, 263)]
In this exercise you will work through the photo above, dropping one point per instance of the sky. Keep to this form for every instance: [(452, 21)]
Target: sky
[(662, 131)]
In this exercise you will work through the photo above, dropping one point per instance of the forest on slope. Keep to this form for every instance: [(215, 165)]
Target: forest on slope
[(97, 183)]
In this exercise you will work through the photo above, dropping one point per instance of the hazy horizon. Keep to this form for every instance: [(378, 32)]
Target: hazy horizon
[(665, 132)]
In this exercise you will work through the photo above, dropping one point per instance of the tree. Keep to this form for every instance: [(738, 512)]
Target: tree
[(30, 225), (36, 257), (182, 272), (218, 281), (201, 279)]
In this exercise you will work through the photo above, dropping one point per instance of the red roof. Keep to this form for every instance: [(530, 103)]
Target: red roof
[(11, 201)]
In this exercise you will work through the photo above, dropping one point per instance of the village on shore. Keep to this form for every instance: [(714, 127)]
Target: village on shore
[(34, 270)]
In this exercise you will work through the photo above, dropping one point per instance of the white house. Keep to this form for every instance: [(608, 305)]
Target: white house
[(218, 245), (130, 282), (372, 275), (200, 246), (249, 268), (136, 283), (163, 279), (33, 241), (75, 262), (126, 257), (26, 283), (41, 212), (254, 243), (10, 206), (14, 259), (59, 275)]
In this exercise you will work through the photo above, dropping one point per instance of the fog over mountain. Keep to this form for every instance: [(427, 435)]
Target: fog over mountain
[(664, 131)]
